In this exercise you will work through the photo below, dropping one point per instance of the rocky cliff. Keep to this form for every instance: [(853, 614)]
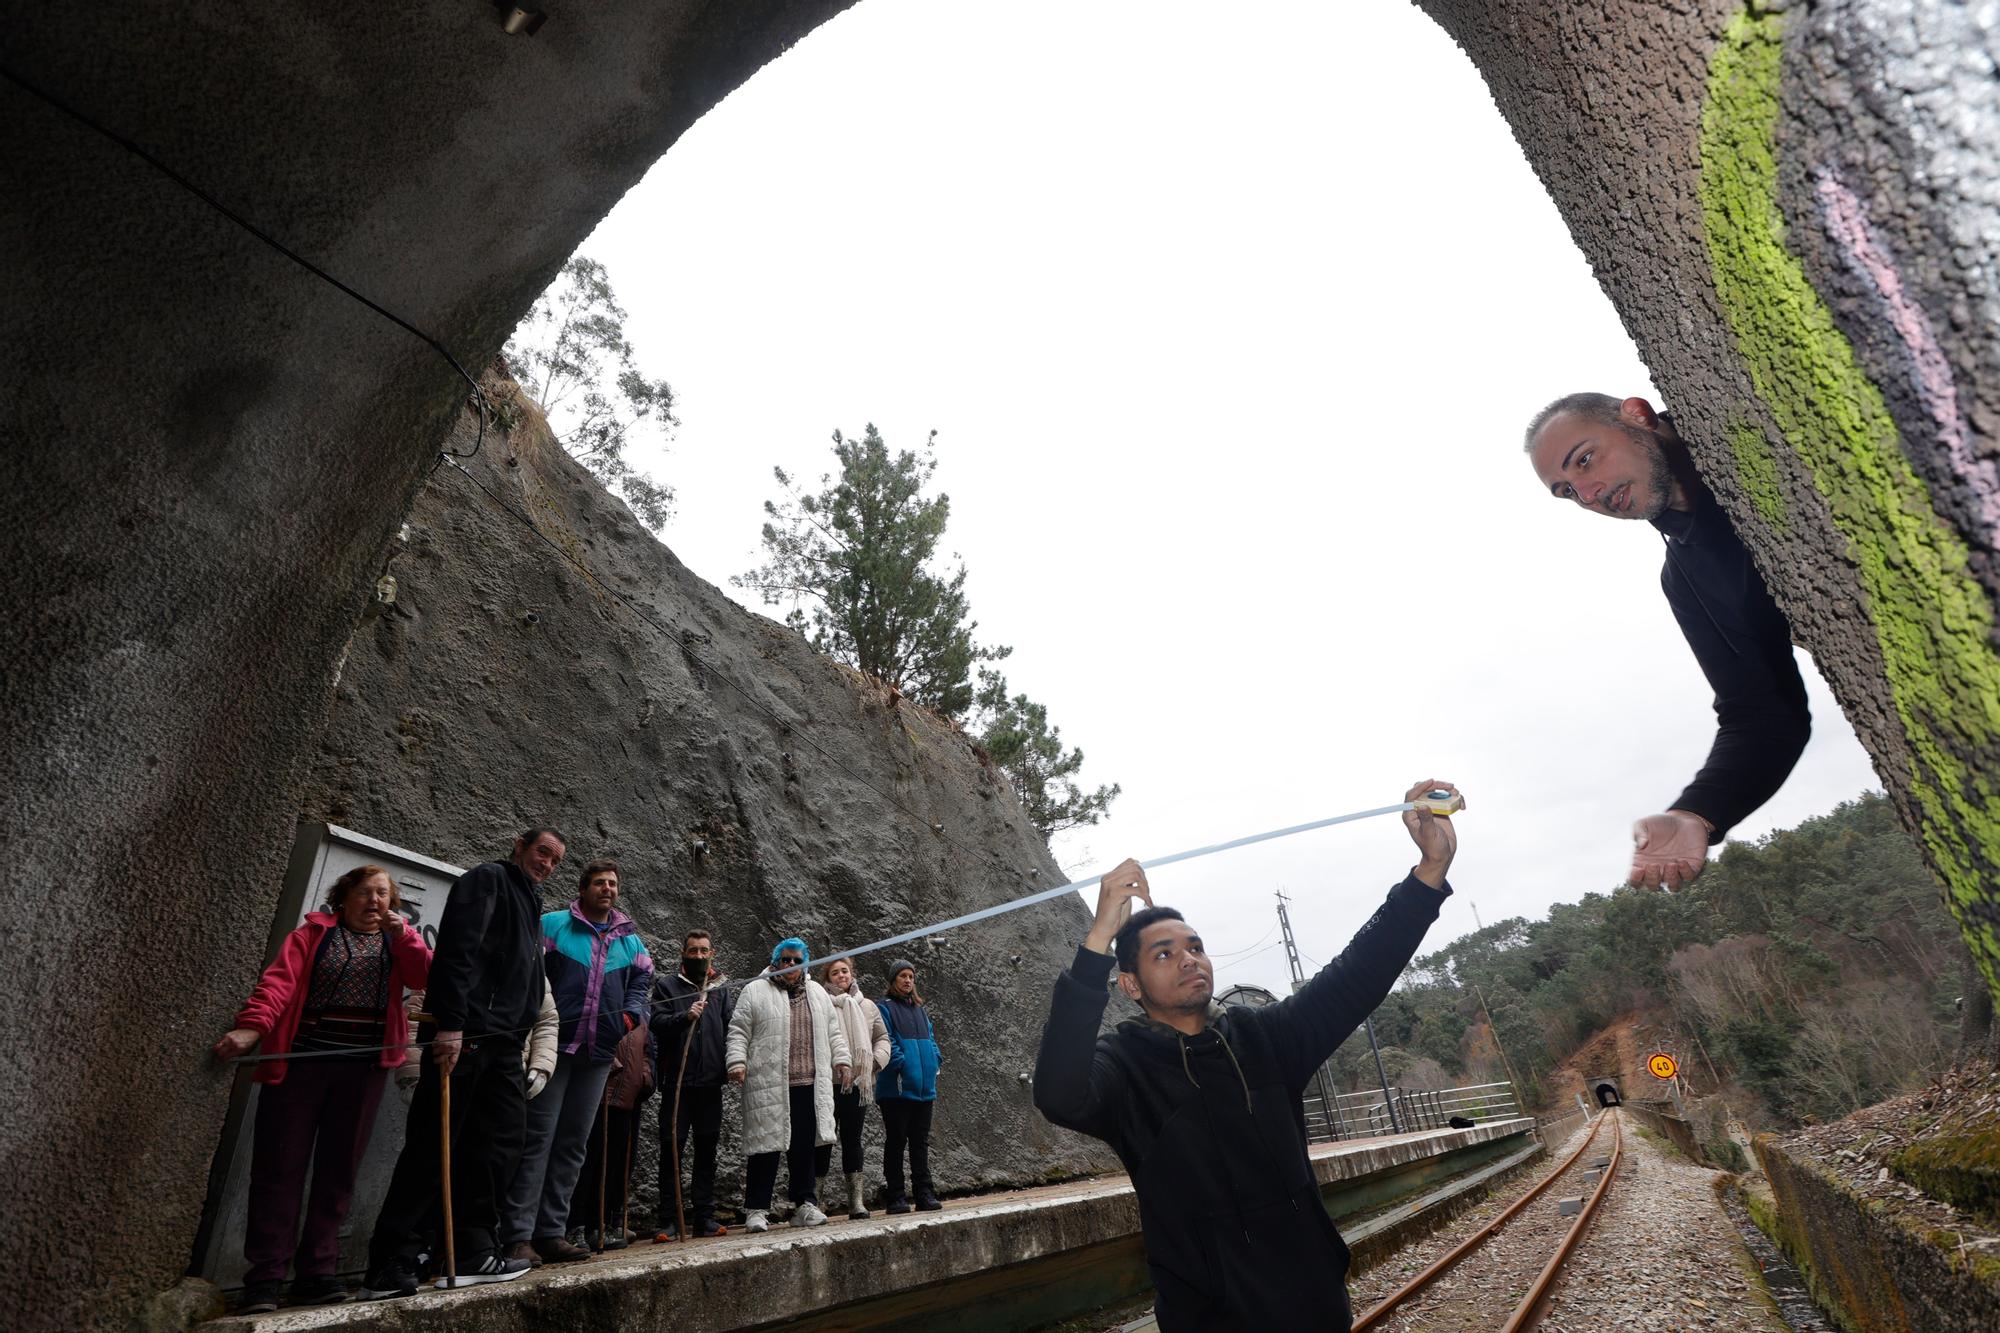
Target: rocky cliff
[(534, 655)]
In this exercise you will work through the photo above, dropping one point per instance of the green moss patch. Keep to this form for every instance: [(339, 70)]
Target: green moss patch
[(1932, 620)]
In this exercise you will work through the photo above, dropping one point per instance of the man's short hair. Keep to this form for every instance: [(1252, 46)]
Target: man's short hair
[(1126, 942), (1592, 406), (592, 868), (532, 836), (696, 934)]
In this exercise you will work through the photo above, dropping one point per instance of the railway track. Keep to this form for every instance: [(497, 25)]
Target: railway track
[(1528, 1312)]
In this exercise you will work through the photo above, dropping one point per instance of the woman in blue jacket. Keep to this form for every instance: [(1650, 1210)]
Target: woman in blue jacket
[(906, 1088)]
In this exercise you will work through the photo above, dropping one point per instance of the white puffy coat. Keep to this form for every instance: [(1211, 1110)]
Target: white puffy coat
[(760, 1039)]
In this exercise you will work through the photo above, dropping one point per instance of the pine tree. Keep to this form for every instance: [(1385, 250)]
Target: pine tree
[(856, 561)]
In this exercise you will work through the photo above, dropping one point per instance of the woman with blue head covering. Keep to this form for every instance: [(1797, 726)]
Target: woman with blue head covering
[(787, 1051)]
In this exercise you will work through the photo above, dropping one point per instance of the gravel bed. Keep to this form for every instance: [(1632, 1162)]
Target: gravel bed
[(1660, 1255)]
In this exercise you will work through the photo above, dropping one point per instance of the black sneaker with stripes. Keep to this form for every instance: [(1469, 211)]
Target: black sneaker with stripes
[(493, 1266)]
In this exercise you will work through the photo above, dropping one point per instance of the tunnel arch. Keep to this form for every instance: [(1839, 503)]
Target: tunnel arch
[(148, 588)]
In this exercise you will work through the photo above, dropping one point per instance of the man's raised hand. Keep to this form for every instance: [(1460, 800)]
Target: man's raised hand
[(1436, 839), (1115, 893), (1668, 850)]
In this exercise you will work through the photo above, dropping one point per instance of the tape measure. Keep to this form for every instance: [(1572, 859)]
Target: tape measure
[(1439, 802)]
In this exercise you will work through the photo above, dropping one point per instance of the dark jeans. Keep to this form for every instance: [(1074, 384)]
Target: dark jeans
[(615, 1129), (488, 1123), (849, 1115), (701, 1116), (761, 1169), (907, 1121), (319, 1117)]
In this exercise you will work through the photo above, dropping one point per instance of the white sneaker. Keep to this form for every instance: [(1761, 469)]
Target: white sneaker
[(808, 1215), (756, 1222)]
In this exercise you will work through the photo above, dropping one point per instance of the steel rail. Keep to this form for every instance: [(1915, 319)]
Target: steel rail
[(1527, 1313), (1439, 1266)]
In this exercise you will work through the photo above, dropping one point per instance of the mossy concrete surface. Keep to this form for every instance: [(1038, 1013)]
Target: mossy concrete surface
[(1875, 1266), (1670, 1127)]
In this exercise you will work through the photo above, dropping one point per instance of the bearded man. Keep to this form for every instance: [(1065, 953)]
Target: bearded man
[(1623, 460)]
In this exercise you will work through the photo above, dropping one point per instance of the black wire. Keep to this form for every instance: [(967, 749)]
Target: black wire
[(448, 455), (687, 646), (478, 394)]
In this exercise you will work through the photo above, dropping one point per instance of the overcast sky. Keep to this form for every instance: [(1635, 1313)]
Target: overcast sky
[(1228, 329)]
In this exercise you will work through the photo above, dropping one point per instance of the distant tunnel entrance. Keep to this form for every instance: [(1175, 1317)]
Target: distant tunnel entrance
[(1607, 1095)]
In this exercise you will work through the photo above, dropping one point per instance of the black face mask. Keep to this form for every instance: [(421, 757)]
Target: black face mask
[(694, 969)]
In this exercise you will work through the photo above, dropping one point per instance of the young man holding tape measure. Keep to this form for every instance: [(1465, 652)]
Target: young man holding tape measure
[(1202, 1104)]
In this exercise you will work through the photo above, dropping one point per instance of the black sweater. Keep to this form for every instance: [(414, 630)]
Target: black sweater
[(486, 976), (1212, 1131), (1744, 645), (673, 996)]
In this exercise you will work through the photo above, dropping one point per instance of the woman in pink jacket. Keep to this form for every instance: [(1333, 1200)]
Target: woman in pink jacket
[(332, 999)]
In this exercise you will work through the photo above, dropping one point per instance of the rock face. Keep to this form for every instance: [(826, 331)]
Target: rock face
[(1796, 211), (745, 784), (207, 452)]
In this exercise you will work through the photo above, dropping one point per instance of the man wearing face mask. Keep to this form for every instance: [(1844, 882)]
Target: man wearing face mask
[(1202, 1104), (697, 995), (1624, 460), (787, 1050)]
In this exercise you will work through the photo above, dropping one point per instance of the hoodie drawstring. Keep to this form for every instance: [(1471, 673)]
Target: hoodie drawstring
[(1188, 1069), (1231, 1051)]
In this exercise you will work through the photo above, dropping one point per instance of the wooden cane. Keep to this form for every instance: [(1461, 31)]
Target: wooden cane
[(674, 1127), (625, 1191), (444, 1166), (603, 1163)]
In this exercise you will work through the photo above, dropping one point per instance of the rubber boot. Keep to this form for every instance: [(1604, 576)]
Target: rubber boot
[(857, 1197)]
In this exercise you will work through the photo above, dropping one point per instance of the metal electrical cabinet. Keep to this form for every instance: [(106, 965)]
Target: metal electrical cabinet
[(321, 854)]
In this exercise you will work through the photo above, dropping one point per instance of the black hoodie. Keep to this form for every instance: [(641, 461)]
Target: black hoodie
[(486, 977), (1744, 645), (1212, 1131)]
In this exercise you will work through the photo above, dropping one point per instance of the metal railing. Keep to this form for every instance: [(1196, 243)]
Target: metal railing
[(1374, 1112)]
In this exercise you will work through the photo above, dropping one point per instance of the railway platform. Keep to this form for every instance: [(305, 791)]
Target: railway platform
[(997, 1263)]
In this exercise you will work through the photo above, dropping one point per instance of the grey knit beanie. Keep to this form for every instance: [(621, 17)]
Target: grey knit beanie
[(900, 965)]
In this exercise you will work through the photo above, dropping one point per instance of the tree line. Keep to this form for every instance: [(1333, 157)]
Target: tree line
[(1816, 970), (854, 561)]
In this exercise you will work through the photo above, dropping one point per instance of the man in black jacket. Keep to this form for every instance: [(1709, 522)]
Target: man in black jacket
[(1202, 1104), (1623, 460), (485, 991), (698, 994)]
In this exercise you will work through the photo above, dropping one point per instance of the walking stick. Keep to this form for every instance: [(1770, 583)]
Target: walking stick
[(603, 1161), (444, 1167), (625, 1190), (680, 1077), (444, 1176)]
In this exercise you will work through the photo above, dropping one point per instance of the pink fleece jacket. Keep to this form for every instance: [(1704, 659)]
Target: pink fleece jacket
[(278, 1001)]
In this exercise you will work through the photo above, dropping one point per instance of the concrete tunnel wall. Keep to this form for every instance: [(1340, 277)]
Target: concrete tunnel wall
[(1794, 211), (208, 451)]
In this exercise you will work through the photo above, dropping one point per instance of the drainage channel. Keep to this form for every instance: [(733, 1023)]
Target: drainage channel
[(1782, 1279)]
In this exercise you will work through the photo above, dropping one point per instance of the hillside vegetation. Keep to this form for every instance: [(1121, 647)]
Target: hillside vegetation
[(1816, 970)]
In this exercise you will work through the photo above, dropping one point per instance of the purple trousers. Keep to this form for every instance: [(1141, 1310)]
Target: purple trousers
[(318, 1118)]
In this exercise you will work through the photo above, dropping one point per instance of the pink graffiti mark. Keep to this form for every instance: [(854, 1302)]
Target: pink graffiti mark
[(1847, 222)]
